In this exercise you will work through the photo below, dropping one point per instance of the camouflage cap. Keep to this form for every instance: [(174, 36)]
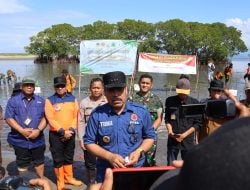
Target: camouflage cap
[(28, 81)]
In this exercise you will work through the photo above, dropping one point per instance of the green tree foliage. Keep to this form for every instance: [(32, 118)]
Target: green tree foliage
[(173, 36), (149, 45), (216, 40), (138, 30), (59, 41), (98, 30), (134, 30)]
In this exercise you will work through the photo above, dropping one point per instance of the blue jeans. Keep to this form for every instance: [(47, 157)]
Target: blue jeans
[(172, 154)]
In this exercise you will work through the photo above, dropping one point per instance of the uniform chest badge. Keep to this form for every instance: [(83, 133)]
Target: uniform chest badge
[(106, 139), (134, 117)]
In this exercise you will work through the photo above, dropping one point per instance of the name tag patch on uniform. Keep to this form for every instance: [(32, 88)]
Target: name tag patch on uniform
[(106, 123)]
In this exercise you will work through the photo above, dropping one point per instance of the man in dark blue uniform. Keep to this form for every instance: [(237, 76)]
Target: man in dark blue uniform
[(25, 115), (118, 132)]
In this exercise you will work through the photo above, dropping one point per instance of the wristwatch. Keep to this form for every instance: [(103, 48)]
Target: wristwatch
[(40, 129)]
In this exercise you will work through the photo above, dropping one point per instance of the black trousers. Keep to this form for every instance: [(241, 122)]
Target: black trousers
[(62, 151), (90, 160)]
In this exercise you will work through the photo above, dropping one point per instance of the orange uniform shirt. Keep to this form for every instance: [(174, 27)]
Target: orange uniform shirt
[(61, 112)]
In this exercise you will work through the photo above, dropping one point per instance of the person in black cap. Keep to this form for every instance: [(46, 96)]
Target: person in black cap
[(216, 89), (118, 132), (61, 110), (70, 81), (181, 130), (24, 114), (210, 124)]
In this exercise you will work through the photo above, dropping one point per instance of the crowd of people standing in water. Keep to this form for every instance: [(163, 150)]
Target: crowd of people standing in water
[(216, 74), (9, 78), (115, 130)]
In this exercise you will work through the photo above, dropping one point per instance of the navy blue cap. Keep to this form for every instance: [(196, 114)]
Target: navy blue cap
[(114, 79), (59, 80)]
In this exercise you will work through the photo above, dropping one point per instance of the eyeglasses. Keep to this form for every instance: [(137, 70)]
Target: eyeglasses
[(133, 135), (60, 86)]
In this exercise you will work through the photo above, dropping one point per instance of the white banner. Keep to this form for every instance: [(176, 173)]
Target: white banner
[(102, 56), (165, 63)]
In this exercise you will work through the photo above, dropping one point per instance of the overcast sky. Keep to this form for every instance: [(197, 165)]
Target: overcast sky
[(21, 19)]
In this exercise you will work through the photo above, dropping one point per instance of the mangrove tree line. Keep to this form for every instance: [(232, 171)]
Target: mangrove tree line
[(216, 41)]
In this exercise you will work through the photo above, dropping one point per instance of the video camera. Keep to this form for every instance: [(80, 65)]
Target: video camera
[(221, 108), (212, 108)]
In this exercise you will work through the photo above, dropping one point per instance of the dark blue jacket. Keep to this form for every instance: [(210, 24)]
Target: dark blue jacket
[(18, 108)]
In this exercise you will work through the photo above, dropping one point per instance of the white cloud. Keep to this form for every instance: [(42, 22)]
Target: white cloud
[(243, 26), (12, 6)]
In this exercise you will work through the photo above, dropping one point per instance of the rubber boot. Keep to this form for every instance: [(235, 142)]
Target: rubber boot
[(68, 176), (59, 178)]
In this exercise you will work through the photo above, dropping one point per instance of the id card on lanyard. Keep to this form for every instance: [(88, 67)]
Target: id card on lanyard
[(27, 106)]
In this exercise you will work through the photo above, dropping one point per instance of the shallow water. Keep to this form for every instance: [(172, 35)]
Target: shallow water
[(164, 84)]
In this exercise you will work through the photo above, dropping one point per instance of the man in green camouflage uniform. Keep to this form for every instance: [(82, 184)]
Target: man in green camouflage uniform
[(154, 105)]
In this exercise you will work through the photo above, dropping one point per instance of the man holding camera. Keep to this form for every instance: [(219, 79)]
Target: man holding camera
[(212, 123), (181, 129)]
